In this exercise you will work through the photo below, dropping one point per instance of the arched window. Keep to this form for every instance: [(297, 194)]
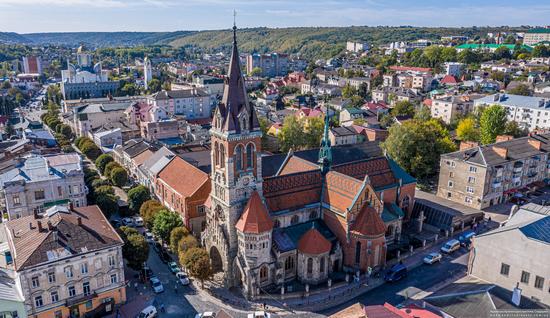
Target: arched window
[(389, 230), (217, 153), (276, 224), (289, 263), (310, 265), (250, 155), (405, 203), (222, 156), (239, 158), (322, 265), (358, 253), (313, 215), (295, 219), (263, 274)]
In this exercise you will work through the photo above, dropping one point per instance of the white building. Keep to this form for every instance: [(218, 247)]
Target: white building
[(193, 103), (357, 47), (147, 72), (516, 255), (43, 181), (449, 107), (92, 116), (453, 68), (529, 112)]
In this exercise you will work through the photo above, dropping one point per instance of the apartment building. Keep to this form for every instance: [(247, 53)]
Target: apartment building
[(515, 256), (357, 47), (193, 103), (528, 111), (449, 107), (534, 36), (68, 262), (485, 175), (272, 65), (93, 116), (41, 182)]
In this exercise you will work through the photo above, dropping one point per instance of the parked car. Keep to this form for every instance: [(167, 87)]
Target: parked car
[(465, 238), (396, 273), (174, 268), (149, 237), (451, 246), (138, 221), (148, 312), (127, 222), (156, 285), (432, 258), (206, 314), (259, 314), (184, 280)]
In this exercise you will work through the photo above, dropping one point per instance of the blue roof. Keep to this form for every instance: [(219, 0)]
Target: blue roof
[(286, 239), (514, 100), (539, 230), (399, 173)]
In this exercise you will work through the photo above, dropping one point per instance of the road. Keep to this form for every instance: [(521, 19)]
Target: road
[(418, 279)]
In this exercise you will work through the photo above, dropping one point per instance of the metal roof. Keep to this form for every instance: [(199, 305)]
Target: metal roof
[(538, 230)]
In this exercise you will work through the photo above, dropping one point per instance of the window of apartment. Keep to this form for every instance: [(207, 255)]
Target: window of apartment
[(59, 191), (111, 260), (69, 272), (473, 169), (16, 199), (51, 277), (471, 180), (451, 174), (470, 189), (76, 189), (450, 184), (54, 297), (468, 199), (35, 282), (114, 279), (84, 268), (539, 282), (86, 288), (39, 195), (89, 304), (449, 194), (72, 291), (525, 277), (504, 269), (38, 301)]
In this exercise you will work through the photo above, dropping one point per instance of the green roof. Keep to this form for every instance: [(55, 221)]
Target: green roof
[(540, 30), (473, 46), (391, 212)]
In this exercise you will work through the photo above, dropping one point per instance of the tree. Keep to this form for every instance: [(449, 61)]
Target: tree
[(467, 130), (416, 146), (149, 210), (175, 237), (128, 89), (492, 123), (197, 262), (348, 91), (521, 89), (102, 161), (109, 167), (292, 134), (256, 71), (512, 129), (187, 242), (314, 132), (510, 39), (135, 249), (108, 203), (103, 190), (90, 150), (119, 176), (502, 53), (403, 108), (136, 197), (541, 50), (164, 222), (468, 57), (154, 85), (9, 130)]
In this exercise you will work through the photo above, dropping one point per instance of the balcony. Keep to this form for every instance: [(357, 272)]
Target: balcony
[(79, 299), (518, 169), (497, 185)]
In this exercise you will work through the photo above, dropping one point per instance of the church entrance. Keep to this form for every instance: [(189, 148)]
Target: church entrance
[(216, 260)]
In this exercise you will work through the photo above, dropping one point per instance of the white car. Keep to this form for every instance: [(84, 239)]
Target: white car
[(450, 246), (156, 285), (259, 314), (148, 312), (138, 221), (184, 280), (432, 258), (149, 237), (206, 314), (127, 222)]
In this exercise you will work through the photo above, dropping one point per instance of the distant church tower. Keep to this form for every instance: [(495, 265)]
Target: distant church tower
[(147, 72), (236, 168)]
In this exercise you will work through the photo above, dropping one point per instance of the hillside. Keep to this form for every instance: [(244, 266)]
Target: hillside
[(12, 38)]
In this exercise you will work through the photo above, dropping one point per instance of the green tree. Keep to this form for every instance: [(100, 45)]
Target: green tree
[(102, 161), (164, 222), (512, 129), (108, 204), (149, 210), (137, 196), (416, 146), (9, 130), (467, 130), (176, 235), (521, 89), (541, 50), (492, 123), (197, 262), (502, 53), (110, 167), (314, 132), (510, 39), (129, 89), (154, 85), (468, 57), (348, 91), (403, 108), (119, 176), (187, 242), (135, 249), (256, 71), (292, 134), (90, 150)]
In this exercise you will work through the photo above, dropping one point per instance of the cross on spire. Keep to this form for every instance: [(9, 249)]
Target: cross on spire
[(234, 26)]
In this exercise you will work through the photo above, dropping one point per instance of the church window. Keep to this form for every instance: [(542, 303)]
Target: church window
[(313, 215), (295, 219), (263, 274), (222, 156), (239, 157), (250, 155), (405, 203), (322, 265), (358, 252), (310, 265), (216, 154), (289, 263)]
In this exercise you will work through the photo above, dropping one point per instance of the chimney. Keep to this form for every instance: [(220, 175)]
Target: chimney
[(35, 213), (468, 144), (535, 143), (79, 221), (501, 151), (40, 228), (50, 226), (30, 226), (501, 138)]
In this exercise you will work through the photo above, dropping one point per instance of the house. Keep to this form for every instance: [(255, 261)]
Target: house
[(348, 115), (125, 154), (92, 116), (108, 139), (275, 129), (148, 171), (186, 198), (41, 137), (12, 301), (343, 136), (67, 262)]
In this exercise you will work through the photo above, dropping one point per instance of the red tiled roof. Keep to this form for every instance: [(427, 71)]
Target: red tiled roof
[(340, 190), (183, 177), (385, 311), (292, 191), (375, 106), (296, 164), (313, 242), (255, 218), (427, 102), (368, 222), (378, 170), (449, 79)]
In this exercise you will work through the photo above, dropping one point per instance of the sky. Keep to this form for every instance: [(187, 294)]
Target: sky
[(29, 16)]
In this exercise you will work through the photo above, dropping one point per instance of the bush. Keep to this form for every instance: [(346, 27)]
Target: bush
[(67, 148), (102, 161), (176, 236), (119, 176), (78, 140), (149, 210), (137, 196)]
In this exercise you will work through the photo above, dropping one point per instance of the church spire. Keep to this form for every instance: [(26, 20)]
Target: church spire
[(325, 153)]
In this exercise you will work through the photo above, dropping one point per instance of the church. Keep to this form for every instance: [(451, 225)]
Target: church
[(300, 217)]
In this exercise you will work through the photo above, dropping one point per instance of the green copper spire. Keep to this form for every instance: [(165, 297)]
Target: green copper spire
[(325, 153)]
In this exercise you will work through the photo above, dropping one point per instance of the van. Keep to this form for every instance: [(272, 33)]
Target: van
[(148, 312), (450, 246), (396, 273), (465, 238)]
